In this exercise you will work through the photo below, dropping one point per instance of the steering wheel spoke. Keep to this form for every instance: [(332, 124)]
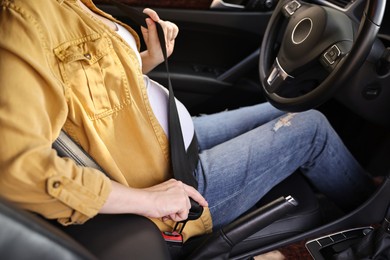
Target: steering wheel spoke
[(276, 78)]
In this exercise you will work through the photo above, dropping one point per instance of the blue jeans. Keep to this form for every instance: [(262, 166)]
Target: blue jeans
[(246, 152)]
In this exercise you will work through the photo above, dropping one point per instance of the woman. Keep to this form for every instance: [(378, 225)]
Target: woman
[(68, 65)]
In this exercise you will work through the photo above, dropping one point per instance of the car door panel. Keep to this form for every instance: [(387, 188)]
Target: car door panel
[(211, 44), (182, 4)]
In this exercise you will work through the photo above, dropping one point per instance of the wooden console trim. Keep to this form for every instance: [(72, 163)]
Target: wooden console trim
[(180, 4)]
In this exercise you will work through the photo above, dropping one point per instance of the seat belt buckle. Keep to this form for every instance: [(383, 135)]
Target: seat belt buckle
[(173, 238)]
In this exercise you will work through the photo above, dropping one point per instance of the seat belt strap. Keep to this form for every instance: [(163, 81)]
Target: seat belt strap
[(183, 163), (66, 147)]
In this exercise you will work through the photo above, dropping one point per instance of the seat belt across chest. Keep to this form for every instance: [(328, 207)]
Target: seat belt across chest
[(182, 166)]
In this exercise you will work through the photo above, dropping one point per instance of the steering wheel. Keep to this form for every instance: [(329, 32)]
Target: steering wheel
[(309, 51)]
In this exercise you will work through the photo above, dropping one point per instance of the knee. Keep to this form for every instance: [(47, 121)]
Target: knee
[(319, 124), (315, 117)]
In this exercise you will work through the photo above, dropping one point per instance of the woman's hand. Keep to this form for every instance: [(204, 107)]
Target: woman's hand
[(172, 199), (153, 55), (168, 200)]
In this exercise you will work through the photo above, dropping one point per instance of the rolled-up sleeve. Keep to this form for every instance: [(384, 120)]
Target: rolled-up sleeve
[(84, 201), (33, 109)]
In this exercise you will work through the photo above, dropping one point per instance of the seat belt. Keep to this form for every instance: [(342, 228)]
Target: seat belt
[(183, 162), (66, 147)]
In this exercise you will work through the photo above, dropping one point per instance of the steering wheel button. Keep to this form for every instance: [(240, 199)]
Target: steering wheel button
[(291, 7), (332, 54)]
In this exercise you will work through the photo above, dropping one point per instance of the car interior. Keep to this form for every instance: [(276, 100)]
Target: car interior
[(235, 53)]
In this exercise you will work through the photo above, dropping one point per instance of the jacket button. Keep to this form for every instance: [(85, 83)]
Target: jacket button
[(56, 184), (88, 56)]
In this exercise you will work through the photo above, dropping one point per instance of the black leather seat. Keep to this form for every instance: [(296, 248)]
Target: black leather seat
[(24, 235)]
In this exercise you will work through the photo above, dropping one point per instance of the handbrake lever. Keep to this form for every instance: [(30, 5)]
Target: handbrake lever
[(219, 244)]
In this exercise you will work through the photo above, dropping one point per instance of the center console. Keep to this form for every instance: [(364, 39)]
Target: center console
[(327, 246)]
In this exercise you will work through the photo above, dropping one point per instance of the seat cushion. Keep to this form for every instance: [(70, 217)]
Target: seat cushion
[(122, 236), (26, 236)]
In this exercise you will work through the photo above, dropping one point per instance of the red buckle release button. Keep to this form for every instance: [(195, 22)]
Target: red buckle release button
[(172, 237)]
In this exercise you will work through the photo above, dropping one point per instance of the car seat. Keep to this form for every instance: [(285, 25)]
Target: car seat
[(23, 234)]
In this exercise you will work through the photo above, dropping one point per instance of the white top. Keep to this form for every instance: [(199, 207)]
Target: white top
[(158, 96)]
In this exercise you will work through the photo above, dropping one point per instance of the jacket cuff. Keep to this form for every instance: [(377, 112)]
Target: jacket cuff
[(85, 197)]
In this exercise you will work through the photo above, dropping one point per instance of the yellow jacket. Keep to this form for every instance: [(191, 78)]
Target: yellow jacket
[(62, 68)]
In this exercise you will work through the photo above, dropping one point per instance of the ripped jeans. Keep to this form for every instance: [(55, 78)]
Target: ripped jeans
[(246, 152)]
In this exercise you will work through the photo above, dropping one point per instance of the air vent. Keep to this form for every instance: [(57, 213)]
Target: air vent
[(340, 3)]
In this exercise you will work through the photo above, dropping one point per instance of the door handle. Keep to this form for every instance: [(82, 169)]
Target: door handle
[(220, 4)]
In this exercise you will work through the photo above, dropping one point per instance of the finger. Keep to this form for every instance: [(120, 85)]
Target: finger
[(184, 210), (179, 216), (145, 33), (150, 34), (152, 14), (165, 28), (174, 31), (170, 30), (195, 195), (175, 217)]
